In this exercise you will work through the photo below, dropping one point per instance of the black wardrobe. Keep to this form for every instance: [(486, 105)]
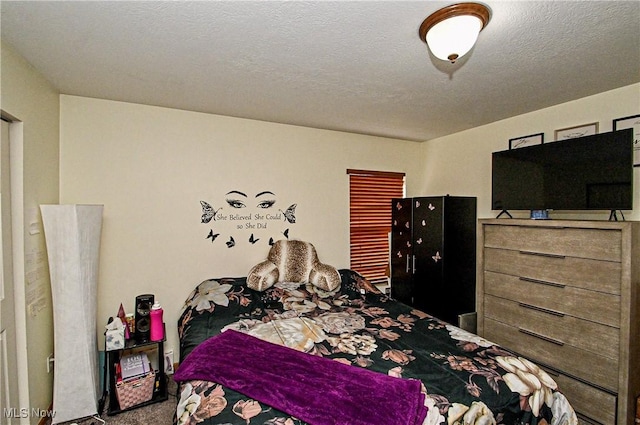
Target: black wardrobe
[(433, 255)]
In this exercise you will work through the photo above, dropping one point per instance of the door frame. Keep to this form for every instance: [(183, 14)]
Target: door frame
[(16, 165)]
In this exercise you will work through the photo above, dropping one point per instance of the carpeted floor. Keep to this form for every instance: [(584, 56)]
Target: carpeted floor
[(157, 414)]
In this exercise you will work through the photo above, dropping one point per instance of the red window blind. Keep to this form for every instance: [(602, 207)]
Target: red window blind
[(370, 194)]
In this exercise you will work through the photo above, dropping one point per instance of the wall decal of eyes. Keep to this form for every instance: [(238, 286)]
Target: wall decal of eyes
[(265, 199), (237, 199), (259, 214)]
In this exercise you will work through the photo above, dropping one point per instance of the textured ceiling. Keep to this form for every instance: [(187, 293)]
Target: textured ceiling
[(355, 66)]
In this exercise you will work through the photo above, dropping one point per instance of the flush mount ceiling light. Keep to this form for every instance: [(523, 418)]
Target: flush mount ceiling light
[(453, 30)]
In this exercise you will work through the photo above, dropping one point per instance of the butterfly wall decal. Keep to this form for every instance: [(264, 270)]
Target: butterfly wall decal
[(290, 213), (286, 233), (231, 242), (208, 212), (436, 257), (212, 236), (431, 207), (271, 242), (252, 239)]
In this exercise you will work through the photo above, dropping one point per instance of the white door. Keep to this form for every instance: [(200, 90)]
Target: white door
[(8, 360)]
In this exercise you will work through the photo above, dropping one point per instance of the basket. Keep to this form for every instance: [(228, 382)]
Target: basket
[(135, 391)]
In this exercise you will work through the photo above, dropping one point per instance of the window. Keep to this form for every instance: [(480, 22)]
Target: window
[(370, 194)]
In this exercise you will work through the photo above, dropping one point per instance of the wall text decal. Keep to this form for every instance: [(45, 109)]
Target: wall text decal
[(248, 217)]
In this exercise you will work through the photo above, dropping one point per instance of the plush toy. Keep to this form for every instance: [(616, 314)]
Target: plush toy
[(293, 261)]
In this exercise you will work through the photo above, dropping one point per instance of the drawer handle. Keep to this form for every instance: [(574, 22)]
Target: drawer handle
[(542, 254), (542, 282), (542, 337), (543, 310), (545, 227)]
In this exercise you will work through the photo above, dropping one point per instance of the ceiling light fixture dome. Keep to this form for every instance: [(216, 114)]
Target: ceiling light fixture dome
[(453, 30)]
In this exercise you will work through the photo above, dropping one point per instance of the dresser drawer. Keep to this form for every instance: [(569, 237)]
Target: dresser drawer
[(581, 303), (593, 405), (584, 334), (598, 244), (598, 275), (583, 364)]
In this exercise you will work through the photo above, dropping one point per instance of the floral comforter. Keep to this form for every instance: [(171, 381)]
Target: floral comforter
[(467, 379)]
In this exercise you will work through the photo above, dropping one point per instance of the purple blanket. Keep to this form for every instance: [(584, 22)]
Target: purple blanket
[(316, 390)]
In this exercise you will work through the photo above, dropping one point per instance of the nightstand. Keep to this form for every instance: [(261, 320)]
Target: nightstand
[(155, 352)]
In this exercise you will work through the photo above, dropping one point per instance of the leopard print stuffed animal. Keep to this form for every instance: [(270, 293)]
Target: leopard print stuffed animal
[(293, 261)]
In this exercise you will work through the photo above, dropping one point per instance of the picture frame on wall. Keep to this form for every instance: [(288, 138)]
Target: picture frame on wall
[(632, 121), (577, 131), (524, 141)]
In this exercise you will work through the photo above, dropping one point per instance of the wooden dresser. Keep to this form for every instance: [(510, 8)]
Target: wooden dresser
[(566, 294)]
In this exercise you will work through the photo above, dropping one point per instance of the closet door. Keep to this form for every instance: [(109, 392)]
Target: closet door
[(459, 259), (402, 251), (444, 248), (428, 251)]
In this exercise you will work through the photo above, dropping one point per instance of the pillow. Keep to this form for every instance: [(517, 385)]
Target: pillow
[(262, 276), (325, 277), (293, 261)]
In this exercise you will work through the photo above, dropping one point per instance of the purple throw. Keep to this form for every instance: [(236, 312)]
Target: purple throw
[(317, 390)]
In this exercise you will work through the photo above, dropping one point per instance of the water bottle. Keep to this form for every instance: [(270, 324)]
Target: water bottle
[(157, 325)]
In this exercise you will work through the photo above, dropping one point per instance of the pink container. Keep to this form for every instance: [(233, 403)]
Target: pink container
[(157, 325)]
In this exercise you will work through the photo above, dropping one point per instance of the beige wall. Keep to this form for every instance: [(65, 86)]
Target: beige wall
[(151, 167), (29, 98), (461, 163)]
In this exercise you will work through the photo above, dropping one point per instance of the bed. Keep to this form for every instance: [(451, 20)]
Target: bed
[(462, 378)]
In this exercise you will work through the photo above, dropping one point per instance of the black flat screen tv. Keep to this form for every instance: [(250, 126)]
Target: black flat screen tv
[(586, 173)]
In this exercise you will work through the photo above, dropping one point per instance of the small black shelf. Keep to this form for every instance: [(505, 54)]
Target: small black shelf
[(113, 356)]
